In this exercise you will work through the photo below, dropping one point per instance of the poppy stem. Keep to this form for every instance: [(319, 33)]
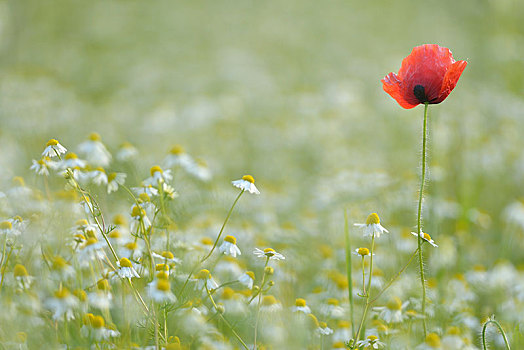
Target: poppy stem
[(419, 225)]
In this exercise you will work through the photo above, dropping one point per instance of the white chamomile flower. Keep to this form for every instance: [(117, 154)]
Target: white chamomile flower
[(178, 157), (62, 304), (371, 342), (166, 257), (71, 160), (115, 179), (246, 183), (199, 169), (229, 247), (362, 252), (22, 277), (41, 167), (268, 253), (426, 237), (147, 189), (323, 329), (432, 342), (139, 215), (158, 176), (95, 151), (98, 176), (204, 278), (393, 312), (53, 149), (160, 291), (270, 304), (372, 227), (126, 269), (300, 306), (126, 152), (247, 279), (169, 191)]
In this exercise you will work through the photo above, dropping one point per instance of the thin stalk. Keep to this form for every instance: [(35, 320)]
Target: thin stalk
[(419, 217), (367, 294), (348, 271), (496, 323), (259, 302)]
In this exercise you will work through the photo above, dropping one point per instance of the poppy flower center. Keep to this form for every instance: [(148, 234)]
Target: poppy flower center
[(420, 93)]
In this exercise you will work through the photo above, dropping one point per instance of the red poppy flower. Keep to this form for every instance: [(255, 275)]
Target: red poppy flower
[(428, 74)]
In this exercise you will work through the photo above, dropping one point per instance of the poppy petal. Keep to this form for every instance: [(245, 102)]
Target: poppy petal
[(451, 78), (392, 85)]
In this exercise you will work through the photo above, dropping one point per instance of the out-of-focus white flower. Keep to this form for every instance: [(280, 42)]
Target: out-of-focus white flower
[(393, 312), (247, 279), (126, 152), (199, 169), (62, 304), (372, 227), (204, 278), (41, 167), (95, 151), (98, 176), (270, 304), (300, 306), (371, 342), (115, 179), (246, 183), (158, 176), (126, 269), (178, 157), (160, 291), (71, 160)]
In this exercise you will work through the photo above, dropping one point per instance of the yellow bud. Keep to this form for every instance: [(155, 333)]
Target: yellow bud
[(372, 219)]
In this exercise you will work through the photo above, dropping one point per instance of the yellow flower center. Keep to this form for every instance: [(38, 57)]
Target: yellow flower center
[(231, 239), (203, 274), (168, 255), (59, 263), (80, 294), (144, 197), (322, 324), (177, 150), (119, 219), (82, 222), (124, 262), (248, 178), (162, 275), (363, 251), (433, 340), (454, 330), (300, 302), (163, 285), (206, 241), (269, 252), (162, 267), (155, 169), (269, 300), (228, 293), (20, 271), (98, 322), (333, 301), (52, 142), (372, 338), (137, 211), (251, 274), (18, 218), (71, 155), (395, 304), (427, 237), (111, 177), (6, 225), (91, 241), (339, 345), (115, 234), (103, 284), (131, 245), (21, 337), (94, 136), (62, 293), (372, 219)]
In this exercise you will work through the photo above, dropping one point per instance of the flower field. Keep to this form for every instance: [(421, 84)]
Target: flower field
[(261, 175)]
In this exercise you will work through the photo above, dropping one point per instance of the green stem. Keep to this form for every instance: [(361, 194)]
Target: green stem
[(348, 270), (259, 302), (419, 217), (496, 323), (371, 264)]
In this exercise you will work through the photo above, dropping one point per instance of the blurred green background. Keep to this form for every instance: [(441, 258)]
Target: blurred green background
[(290, 92)]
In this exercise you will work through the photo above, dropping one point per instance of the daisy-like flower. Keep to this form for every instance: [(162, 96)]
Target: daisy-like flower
[(371, 342), (62, 304), (300, 306), (115, 179), (393, 312), (145, 188), (432, 342), (246, 183), (160, 291), (53, 148), (323, 329), (362, 252), (204, 278), (372, 227), (427, 75), (95, 151), (102, 297), (71, 160), (247, 279), (91, 250), (270, 304), (22, 277), (126, 152), (41, 167), (167, 257), (98, 176), (95, 325), (138, 214), (6, 228), (229, 247), (268, 253), (158, 176), (332, 309), (178, 157), (199, 169), (126, 269), (61, 268), (426, 237)]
